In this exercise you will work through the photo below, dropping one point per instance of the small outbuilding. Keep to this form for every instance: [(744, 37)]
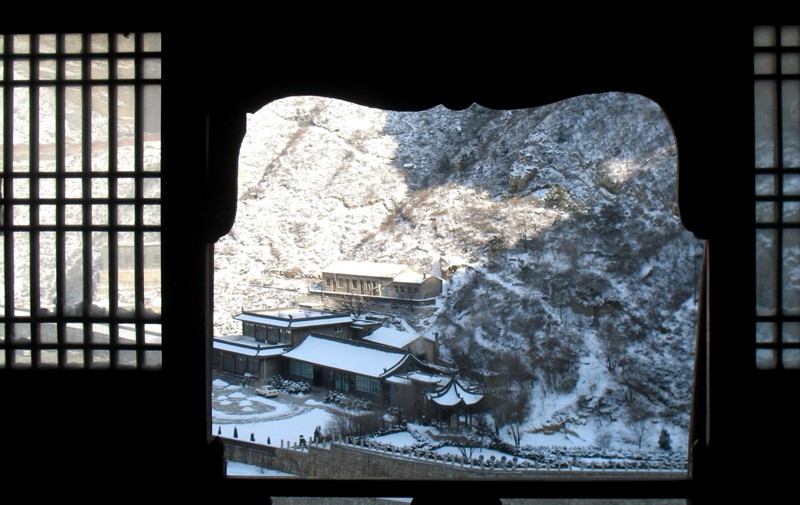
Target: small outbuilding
[(420, 346)]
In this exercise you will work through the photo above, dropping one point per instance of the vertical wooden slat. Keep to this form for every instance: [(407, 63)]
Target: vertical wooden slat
[(139, 192), (60, 154), (35, 246), (8, 188)]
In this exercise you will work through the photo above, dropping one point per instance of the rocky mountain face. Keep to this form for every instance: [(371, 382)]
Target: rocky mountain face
[(556, 229)]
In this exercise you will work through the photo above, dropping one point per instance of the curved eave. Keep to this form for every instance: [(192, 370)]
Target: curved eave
[(400, 363), (454, 388)]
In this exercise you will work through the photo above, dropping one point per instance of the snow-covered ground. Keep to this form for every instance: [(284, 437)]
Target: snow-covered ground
[(281, 422), (243, 469), (400, 439), (290, 416), (275, 431), (276, 420)]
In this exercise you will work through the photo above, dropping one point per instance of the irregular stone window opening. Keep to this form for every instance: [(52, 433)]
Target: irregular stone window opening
[(532, 219)]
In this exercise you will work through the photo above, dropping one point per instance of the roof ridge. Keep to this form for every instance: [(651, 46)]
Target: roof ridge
[(359, 343)]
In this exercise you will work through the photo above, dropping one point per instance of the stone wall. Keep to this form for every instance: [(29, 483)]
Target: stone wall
[(342, 461)]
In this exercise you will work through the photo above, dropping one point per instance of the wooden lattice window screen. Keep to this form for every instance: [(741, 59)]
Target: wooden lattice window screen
[(81, 201), (777, 196)]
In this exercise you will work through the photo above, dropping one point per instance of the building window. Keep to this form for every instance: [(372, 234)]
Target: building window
[(248, 329), (228, 363), (328, 281), (341, 283), (363, 384), (252, 366), (776, 94), (261, 333), (354, 283), (81, 209), (375, 387), (301, 369), (342, 381), (337, 329)]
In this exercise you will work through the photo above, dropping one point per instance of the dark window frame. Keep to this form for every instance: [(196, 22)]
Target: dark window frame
[(260, 333), (681, 487), (717, 52)]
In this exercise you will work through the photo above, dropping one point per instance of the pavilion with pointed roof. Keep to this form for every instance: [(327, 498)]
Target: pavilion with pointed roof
[(453, 400)]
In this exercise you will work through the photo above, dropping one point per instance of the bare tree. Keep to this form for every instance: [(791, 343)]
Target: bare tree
[(355, 305), (510, 407), (345, 424), (555, 357), (639, 414), (508, 392), (639, 428), (612, 346), (603, 439), (466, 444), (518, 369)]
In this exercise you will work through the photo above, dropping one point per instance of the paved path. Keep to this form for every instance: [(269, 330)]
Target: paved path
[(233, 403)]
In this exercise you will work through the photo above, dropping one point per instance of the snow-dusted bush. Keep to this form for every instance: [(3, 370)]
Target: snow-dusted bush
[(664, 440), (346, 401), (290, 386), (603, 439), (345, 424)]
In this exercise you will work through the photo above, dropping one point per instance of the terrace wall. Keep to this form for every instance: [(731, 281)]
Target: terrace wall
[(340, 460)]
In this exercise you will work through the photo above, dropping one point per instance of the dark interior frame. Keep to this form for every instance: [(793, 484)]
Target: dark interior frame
[(698, 70)]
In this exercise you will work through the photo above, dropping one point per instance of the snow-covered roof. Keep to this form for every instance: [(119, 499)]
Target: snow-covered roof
[(454, 394), (396, 379), (294, 318), (365, 323), (391, 337), (384, 270), (290, 313), (409, 277), (427, 378), (249, 350), (348, 357)]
